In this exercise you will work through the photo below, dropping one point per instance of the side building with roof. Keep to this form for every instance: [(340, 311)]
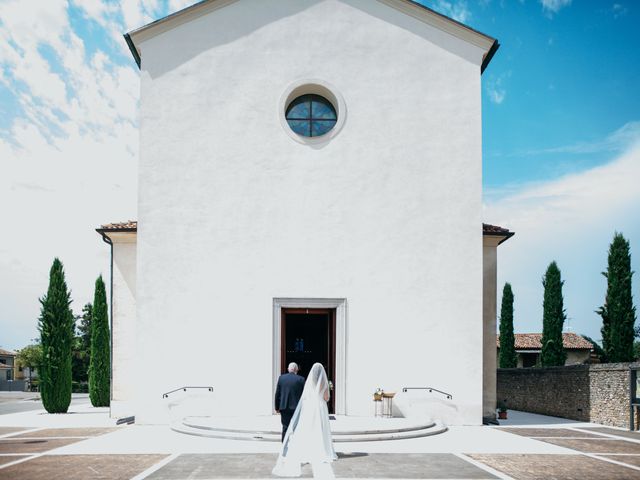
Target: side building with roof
[(529, 348)]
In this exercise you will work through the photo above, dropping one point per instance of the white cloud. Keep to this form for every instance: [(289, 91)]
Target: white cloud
[(621, 139), (494, 86), (496, 95), (68, 159), (571, 220), (554, 6), (618, 10), (175, 5), (137, 13), (458, 10)]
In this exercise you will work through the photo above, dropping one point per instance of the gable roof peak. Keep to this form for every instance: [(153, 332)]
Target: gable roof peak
[(409, 7)]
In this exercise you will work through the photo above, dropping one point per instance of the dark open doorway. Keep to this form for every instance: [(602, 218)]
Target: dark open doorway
[(308, 336)]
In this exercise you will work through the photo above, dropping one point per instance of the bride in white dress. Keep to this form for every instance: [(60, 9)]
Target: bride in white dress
[(308, 438)]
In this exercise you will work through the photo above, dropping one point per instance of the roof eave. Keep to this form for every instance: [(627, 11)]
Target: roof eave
[(408, 6), (505, 235), (106, 231), (487, 58), (133, 49)]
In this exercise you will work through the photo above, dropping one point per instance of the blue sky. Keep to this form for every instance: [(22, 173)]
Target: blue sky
[(561, 79), (561, 135)]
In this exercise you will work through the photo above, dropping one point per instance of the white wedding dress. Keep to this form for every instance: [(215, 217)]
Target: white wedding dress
[(308, 438)]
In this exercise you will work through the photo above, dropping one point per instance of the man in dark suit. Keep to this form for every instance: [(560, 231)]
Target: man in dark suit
[(288, 393)]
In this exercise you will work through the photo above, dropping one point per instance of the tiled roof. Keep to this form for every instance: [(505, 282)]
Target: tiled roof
[(533, 341), (7, 352), (132, 225), (487, 228)]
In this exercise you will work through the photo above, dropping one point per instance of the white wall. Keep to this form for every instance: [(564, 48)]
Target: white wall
[(489, 310), (124, 373), (233, 213)]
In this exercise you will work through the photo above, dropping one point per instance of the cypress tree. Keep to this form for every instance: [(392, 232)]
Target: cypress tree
[(82, 345), (618, 313), (56, 325), (508, 356), (552, 319), (99, 364)]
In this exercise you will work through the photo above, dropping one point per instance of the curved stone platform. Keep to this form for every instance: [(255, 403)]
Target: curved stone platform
[(343, 428)]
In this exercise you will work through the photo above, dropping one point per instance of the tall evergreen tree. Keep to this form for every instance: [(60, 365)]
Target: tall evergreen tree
[(84, 328), (100, 367), (82, 345), (508, 356), (618, 313), (56, 325), (553, 318)]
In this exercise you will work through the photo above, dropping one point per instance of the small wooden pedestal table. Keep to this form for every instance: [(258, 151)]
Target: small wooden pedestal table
[(387, 404)]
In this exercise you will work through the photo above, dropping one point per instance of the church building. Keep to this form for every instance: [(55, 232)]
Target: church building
[(310, 190)]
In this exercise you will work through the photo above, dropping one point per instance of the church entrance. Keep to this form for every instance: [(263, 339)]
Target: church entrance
[(309, 336)]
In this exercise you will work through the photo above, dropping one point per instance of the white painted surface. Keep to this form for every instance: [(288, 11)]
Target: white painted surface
[(124, 373), (489, 322), (233, 213)]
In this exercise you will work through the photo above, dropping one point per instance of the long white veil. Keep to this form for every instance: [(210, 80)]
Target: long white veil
[(308, 438)]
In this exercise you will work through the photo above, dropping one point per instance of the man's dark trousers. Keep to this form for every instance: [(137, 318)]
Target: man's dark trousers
[(285, 418), (288, 393)]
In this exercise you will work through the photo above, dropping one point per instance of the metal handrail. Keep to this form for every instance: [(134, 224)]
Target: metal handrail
[(184, 389), (431, 389)]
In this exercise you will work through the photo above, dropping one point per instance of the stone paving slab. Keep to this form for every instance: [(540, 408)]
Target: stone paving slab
[(202, 466), (601, 445), (355, 465), (4, 459), (548, 432), (66, 432), (22, 445), (629, 459), (80, 467), (565, 467), (408, 465), (613, 431)]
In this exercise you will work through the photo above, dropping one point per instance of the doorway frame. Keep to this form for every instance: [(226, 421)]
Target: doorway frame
[(340, 306)]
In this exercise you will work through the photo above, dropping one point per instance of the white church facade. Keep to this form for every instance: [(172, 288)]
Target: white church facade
[(310, 189)]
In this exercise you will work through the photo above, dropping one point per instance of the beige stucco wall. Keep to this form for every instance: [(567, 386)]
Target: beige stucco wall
[(575, 357), (489, 307), (124, 324)]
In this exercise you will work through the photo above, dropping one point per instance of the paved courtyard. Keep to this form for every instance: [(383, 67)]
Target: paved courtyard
[(86, 444)]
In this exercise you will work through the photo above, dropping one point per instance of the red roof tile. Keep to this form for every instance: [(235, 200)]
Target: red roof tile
[(131, 225), (494, 229), (533, 341)]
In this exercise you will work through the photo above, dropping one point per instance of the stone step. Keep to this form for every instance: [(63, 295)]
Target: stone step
[(195, 422), (338, 437)]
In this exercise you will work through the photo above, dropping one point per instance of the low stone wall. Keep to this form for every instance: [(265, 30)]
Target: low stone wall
[(590, 393)]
